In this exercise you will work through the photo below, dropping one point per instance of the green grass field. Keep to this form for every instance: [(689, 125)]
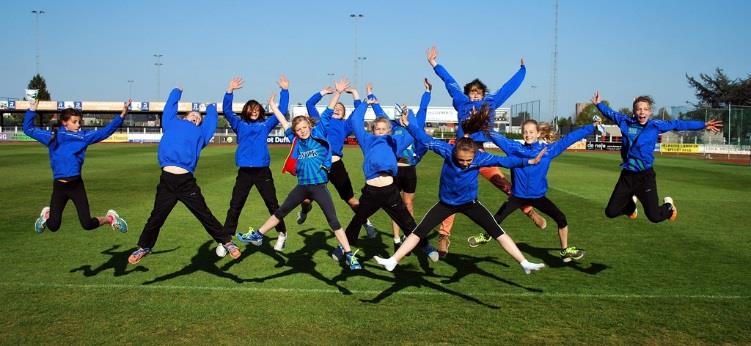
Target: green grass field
[(687, 282)]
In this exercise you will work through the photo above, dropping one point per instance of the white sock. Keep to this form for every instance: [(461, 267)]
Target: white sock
[(530, 267), (397, 240), (388, 263)]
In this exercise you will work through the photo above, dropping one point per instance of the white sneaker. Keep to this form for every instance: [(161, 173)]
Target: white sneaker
[(387, 263), (530, 267), (220, 250), (281, 241), (370, 229)]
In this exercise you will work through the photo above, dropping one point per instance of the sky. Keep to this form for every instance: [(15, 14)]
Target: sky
[(89, 50)]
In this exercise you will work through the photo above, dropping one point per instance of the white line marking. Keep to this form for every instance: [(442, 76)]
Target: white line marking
[(424, 292)]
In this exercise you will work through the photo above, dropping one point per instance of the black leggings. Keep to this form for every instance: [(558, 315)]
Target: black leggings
[(475, 211), (75, 190), (183, 188), (338, 177), (643, 185), (542, 204), (374, 198), (247, 177), (317, 192)]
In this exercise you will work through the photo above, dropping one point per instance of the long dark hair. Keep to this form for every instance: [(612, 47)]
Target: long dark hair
[(245, 114), (65, 115), (476, 83), (477, 120)]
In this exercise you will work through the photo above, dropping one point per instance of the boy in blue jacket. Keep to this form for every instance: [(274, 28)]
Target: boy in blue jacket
[(67, 146), (530, 184), (252, 157), (637, 179), (458, 191), (178, 153), (473, 96)]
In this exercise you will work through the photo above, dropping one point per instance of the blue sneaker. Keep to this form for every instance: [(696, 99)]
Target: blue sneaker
[(41, 223), (337, 254), (431, 252), (352, 261), (253, 237), (118, 223)]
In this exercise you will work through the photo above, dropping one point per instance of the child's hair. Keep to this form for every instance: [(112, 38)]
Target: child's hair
[(475, 84), (643, 98), (300, 118), (183, 116), (344, 109), (546, 131), (465, 144), (380, 120), (65, 115), (477, 120), (245, 114)]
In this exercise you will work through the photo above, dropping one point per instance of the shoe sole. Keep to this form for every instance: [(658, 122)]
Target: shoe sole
[(569, 259)]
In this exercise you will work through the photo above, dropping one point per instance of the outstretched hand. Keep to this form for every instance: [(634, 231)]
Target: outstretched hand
[(126, 106), (283, 82), (234, 84), (596, 98), (432, 55), (522, 62), (327, 90), (404, 119), (272, 102), (369, 88), (713, 125), (341, 85), (539, 156), (427, 85)]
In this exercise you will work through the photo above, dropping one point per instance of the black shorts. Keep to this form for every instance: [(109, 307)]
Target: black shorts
[(339, 177), (406, 179)]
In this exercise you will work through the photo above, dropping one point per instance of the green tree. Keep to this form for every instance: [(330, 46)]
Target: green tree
[(585, 116), (38, 82), (719, 90)]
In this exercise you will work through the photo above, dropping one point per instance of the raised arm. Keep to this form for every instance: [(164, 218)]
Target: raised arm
[(232, 118), (422, 112), (208, 125), (559, 146), (357, 120), (453, 88), (278, 114), (283, 95), (355, 95), (688, 125), (43, 136), (103, 133), (310, 105), (509, 146), (418, 133), (169, 113), (509, 87), (606, 111), (377, 109)]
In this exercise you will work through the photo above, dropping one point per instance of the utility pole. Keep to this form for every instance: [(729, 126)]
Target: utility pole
[(37, 13), (158, 65), (357, 18)]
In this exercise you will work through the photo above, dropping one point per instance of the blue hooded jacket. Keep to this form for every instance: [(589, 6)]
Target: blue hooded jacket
[(415, 152), (338, 129), (380, 151), (68, 149), (252, 148), (182, 141)]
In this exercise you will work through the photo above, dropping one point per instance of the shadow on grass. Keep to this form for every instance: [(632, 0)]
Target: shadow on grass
[(204, 260), (466, 265), (265, 249), (301, 261), (554, 261), (405, 276), (376, 247), (118, 261)]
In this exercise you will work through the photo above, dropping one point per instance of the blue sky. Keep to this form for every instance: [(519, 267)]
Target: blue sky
[(90, 49)]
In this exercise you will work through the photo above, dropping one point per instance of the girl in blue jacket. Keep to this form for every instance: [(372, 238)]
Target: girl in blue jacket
[(530, 184), (637, 179), (337, 130), (252, 156), (458, 191), (182, 140), (67, 146), (313, 154)]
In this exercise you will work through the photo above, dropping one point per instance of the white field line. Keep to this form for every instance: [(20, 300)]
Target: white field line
[(423, 292)]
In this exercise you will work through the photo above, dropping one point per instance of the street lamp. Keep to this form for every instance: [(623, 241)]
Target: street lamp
[(357, 18), (361, 60), (37, 13), (130, 89), (158, 65)]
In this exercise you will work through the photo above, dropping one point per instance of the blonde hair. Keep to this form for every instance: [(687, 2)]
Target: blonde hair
[(300, 118), (546, 131), (380, 120)]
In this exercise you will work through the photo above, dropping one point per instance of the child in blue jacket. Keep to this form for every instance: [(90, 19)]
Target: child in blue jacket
[(474, 96), (252, 156), (530, 184), (67, 146), (337, 130), (637, 179), (313, 154), (179, 149), (458, 192)]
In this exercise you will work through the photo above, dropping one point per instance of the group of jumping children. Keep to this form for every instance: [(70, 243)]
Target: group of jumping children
[(391, 150)]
